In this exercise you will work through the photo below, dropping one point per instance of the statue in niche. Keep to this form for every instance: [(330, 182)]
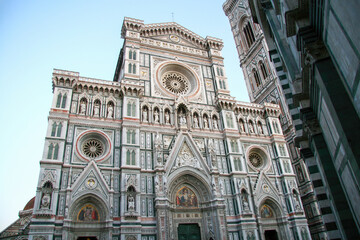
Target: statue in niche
[(215, 124), (245, 200), (196, 121), (131, 203), (46, 196), (96, 109), (260, 129), (167, 117), (242, 127), (251, 127), (45, 201), (250, 235), (156, 116), (145, 115), (110, 111), (296, 201), (182, 118), (83, 107), (212, 154), (206, 123), (158, 148)]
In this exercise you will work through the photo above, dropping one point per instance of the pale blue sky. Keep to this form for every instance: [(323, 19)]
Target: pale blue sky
[(83, 36)]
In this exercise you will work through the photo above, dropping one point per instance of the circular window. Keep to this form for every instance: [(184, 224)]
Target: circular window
[(175, 82), (256, 160), (93, 145), (92, 148), (177, 79)]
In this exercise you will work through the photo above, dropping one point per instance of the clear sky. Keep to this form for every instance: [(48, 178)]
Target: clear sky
[(83, 36)]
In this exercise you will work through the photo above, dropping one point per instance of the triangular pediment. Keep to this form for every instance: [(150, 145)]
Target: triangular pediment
[(265, 188), (90, 181), (185, 154), (174, 33)]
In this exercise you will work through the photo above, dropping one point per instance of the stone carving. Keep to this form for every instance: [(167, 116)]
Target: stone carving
[(83, 107), (96, 109), (251, 127), (182, 118), (206, 123), (156, 116), (110, 111), (186, 158), (131, 203), (196, 121), (48, 176), (212, 153), (131, 180), (167, 117), (260, 129), (145, 115), (215, 123)]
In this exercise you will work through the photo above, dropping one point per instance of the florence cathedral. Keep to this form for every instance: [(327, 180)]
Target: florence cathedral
[(163, 151)]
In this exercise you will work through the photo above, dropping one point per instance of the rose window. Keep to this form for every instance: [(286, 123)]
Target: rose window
[(92, 148), (256, 160), (175, 82)]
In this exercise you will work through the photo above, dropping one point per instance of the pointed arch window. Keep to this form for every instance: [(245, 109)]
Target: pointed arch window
[(130, 54), (53, 129), (63, 103), (133, 108), (263, 70), (133, 137), (50, 151), (237, 164), (128, 157), (134, 55), (53, 151), (56, 151), (133, 158), (129, 108), (134, 68), (256, 77), (58, 101), (128, 136), (249, 34), (59, 128)]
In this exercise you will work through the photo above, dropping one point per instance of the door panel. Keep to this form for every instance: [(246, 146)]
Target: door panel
[(189, 232)]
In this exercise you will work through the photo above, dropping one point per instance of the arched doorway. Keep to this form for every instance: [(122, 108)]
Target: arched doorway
[(88, 218), (190, 214), (270, 220)]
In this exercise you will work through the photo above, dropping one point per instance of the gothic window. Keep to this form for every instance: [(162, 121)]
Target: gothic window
[(128, 157), (256, 77), (234, 146), (133, 158), (217, 71), (59, 127), (224, 85), (131, 109), (53, 151), (221, 72), (130, 136), (50, 151), (58, 101), (53, 129), (229, 120), (237, 164), (134, 69), (63, 103), (129, 68), (249, 34), (275, 126), (132, 55), (263, 70)]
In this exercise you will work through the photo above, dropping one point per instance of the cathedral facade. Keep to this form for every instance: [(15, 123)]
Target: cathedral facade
[(163, 151)]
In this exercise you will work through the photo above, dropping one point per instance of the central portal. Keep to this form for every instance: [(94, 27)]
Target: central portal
[(189, 232), (86, 238)]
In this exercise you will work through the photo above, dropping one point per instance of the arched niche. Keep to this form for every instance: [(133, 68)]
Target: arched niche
[(92, 203)]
